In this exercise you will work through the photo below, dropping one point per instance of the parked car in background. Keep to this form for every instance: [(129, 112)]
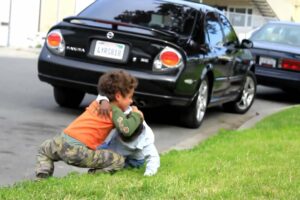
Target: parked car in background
[(184, 54), (277, 54)]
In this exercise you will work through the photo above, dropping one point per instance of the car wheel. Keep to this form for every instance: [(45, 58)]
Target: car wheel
[(196, 111), (67, 97), (246, 99)]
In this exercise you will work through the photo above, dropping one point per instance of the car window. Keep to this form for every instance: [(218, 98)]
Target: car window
[(213, 29), (278, 33), (229, 33), (155, 14)]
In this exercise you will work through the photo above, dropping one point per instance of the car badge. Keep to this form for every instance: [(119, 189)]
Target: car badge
[(75, 49), (110, 35)]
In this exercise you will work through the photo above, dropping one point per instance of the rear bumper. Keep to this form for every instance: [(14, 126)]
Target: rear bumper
[(153, 88), (277, 78)]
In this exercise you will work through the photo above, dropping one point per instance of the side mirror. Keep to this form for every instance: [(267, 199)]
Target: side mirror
[(246, 44)]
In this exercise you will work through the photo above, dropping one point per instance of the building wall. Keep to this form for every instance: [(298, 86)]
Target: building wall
[(296, 14), (4, 22), (53, 11), (286, 10), (244, 22), (290, 12), (297, 11), (229, 3), (37, 16), (81, 4), (285, 14), (233, 4), (24, 21), (226, 3)]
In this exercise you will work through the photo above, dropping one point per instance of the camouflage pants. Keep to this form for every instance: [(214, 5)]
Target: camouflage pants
[(57, 149)]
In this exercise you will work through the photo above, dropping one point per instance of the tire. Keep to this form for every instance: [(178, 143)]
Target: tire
[(196, 111), (247, 96), (66, 97)]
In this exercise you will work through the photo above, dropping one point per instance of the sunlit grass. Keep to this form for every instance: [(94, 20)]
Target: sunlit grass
[(259, 163)]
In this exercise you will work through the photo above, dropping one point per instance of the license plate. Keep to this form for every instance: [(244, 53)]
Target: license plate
[(109, 50), (268, 62)]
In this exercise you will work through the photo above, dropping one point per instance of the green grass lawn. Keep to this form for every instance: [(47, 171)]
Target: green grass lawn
[(258, 163)]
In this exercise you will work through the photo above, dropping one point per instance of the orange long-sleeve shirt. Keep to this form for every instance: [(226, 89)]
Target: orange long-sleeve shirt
[(89, 128)]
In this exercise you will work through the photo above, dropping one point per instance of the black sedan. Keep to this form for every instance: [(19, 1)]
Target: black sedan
[(184, 54), (277, 53)]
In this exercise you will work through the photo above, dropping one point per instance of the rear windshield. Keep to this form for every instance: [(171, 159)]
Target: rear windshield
[(279, 33), (156, 14)]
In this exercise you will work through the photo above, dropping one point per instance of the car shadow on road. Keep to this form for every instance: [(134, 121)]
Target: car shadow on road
[(277, 95), (161, 115), (171, 116)]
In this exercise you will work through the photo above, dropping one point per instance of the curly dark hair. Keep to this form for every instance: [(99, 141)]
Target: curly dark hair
[(116, 81)]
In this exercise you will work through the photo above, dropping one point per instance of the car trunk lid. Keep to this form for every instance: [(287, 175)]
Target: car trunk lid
[(276, 47), (114, 44)]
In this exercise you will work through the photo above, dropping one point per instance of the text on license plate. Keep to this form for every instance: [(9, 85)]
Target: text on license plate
[(269, 62), (109, 50)]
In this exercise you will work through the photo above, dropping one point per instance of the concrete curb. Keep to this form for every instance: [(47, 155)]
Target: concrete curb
[(253, 121), (201, 136)]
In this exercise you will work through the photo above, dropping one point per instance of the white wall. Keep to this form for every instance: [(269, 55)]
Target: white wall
[(24, 21), (4, 22), (81, 4), (285, 13)]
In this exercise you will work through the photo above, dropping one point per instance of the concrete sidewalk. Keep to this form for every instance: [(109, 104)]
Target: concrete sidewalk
[(19, 52)]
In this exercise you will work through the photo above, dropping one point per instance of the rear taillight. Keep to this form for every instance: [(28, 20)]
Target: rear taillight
[(290, 64), (167, 59), (54, 39), (55, 42)]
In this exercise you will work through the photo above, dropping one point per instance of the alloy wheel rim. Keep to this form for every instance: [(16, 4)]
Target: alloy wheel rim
[(202, 100), (248, 94)]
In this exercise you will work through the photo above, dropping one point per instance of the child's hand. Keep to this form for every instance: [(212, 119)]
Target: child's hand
[(104, 109), (135, 109)]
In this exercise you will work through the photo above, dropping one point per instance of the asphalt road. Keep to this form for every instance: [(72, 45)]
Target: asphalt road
[(29, 115)]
